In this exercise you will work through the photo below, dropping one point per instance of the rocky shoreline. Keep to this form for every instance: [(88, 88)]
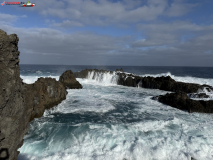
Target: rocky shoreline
[(20, 103), (179, 99)]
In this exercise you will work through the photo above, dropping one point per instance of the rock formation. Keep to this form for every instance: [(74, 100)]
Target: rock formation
[(181, 101), (69, 81), (162, 83), (43, 94), (20, 103)]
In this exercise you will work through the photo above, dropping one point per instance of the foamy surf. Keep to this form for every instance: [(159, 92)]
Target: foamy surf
[(108, 121), (186, 79)]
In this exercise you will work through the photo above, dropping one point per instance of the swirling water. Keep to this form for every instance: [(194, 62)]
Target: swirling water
[(105, 121)]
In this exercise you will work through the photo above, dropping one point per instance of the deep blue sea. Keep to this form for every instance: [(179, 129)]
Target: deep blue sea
[(105, 121)]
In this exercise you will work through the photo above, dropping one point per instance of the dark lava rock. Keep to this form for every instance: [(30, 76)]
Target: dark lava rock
[(169, 84), (69, 81), (120, 70), (181, 101), (198, 95), (43, 94), (162, 83), (20, 102), (129, 80)]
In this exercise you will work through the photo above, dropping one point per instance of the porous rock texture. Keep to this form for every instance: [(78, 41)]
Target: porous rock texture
[(20, 103), (69, 81)]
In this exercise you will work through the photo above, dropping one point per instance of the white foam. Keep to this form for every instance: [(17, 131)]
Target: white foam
[(186, 79), (163, 132), (32, 79), (103, 78)]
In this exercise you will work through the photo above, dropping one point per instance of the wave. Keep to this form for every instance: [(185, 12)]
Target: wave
[(186, 79), (32, 79)]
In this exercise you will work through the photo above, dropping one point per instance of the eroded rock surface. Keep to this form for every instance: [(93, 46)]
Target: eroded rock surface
[(181, 101), (19, 102), (69, 81)]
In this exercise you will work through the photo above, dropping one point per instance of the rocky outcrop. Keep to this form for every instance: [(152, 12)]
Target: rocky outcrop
[(85, 73), (43, 94), (198, 95), (69, 81), (180, 100), (19, 102), (162, 83), (120, 70)]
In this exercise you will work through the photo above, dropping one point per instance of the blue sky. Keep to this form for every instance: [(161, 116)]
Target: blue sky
[(109, 32)]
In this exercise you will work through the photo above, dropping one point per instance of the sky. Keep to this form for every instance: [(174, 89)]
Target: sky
[(113, 32)]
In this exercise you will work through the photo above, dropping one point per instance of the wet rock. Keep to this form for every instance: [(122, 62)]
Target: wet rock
[(69, 81), (181, 101), (20, 102), (120, 70), (43, 94), (162, 83), (198, 95), (169, 84)]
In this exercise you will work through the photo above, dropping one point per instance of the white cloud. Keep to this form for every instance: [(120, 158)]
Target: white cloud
[(179, 8), (104, 12), (67, 24)]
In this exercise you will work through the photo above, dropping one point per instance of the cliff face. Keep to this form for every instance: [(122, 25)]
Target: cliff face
[(20, 103)]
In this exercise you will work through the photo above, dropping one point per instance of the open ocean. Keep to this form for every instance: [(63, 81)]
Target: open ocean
[(105, 121)]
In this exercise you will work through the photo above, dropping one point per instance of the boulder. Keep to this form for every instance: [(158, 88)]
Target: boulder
[(69, 81)]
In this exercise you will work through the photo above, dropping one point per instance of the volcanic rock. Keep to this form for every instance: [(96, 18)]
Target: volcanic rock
[(162, 83), (120, 70), (69, 81), (20, 102), (198, 95), (181, 101), (43, 94)]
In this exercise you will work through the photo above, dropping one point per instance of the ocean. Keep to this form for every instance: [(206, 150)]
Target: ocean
[(106, 121)]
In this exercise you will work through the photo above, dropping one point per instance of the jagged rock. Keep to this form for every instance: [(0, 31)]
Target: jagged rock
[(20, 102), (129, 80), (69, 81), (162, 83), (169, 84), (198, 95), (181, 101), (120, 70), (43, 94)]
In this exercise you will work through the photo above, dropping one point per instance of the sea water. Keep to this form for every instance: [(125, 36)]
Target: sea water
[(106, 121)]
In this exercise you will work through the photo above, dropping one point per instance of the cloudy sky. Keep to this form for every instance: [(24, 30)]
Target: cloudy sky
[(113, 32)]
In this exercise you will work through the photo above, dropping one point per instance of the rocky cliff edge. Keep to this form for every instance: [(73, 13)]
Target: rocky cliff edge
[(20, 103)]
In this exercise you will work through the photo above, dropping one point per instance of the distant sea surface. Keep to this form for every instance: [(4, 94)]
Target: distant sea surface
[(106, 121)]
